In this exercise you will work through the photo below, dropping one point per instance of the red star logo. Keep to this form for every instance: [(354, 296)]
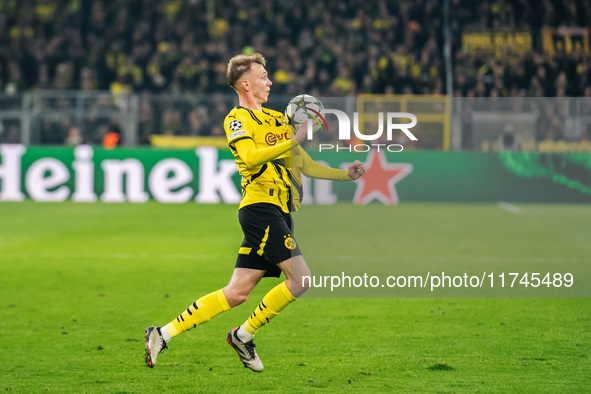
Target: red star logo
[(380, 180)]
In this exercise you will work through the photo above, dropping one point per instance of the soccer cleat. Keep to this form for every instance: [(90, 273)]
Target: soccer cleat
[(245, 350), (155, 344)]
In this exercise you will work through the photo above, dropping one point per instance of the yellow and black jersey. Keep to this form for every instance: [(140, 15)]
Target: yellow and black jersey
[(266, 128), (270, 166)]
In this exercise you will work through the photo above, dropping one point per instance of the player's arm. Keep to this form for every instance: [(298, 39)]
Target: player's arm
[(255, 157), (313, 169)]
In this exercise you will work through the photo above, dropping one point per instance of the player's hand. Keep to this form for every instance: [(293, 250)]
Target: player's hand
[(302, 130), (356, 170)]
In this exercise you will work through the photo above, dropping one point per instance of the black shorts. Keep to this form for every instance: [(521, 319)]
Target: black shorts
[(268, 238)]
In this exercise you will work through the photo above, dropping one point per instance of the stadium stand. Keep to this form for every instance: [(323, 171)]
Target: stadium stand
[(501, 48), (322, 47)]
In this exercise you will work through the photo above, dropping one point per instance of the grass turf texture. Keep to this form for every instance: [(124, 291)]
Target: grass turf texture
[(80, 282)]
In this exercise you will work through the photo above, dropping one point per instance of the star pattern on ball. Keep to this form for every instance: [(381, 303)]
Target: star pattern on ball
[(301, 104)]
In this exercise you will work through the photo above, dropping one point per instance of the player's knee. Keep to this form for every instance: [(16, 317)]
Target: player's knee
[(298, 291), (302, 288), (240, 298), (301, 282), (235, 298), (299, 286)]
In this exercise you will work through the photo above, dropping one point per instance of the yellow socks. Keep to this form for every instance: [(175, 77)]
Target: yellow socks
[(211, 305), (273, 302), (201, 311)]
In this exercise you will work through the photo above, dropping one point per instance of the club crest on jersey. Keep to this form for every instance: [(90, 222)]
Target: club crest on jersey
[(235, 125), (290, 243)]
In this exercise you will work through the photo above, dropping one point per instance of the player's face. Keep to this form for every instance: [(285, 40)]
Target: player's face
[(260, 83)]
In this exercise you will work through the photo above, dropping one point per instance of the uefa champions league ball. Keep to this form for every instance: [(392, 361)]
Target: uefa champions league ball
[(303, 107)]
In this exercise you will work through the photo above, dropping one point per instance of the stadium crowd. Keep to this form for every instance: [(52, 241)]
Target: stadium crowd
[(328, 47), (317, 46)]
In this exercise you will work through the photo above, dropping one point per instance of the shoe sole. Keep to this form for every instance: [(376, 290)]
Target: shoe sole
[(148, 354)]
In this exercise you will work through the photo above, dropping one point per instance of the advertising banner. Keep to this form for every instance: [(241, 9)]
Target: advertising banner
[(208, 175)]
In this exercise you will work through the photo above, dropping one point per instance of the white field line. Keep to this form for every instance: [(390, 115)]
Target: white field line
[(509, 207)]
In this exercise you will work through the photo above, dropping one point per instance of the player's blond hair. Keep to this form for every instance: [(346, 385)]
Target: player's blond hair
[(240, 64)]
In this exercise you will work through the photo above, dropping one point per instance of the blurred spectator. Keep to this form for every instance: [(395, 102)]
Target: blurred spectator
[(74, 137), (112, 139)]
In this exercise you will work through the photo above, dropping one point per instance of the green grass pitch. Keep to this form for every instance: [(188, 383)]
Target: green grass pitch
[(80, 282)]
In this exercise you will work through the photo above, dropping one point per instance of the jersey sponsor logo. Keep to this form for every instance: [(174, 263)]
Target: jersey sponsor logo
[(272, 138), (235, 125), (236, 134), (290, 243)]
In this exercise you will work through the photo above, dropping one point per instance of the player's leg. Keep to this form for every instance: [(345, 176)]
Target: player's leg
[(241, 284), (269, 245), (296, 272), (202, 310), (277, 299), (207, 307)]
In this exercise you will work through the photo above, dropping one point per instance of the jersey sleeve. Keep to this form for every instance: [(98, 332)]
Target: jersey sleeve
[(237, 127), (313, 169), (254, 157)]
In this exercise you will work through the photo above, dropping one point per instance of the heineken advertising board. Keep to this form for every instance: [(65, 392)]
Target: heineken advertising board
[(209, 175)]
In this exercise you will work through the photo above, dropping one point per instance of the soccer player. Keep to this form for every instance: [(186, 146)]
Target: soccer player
[(271, 163)]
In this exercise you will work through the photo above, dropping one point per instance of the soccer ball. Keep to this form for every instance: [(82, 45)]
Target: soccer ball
[(303, 107)]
